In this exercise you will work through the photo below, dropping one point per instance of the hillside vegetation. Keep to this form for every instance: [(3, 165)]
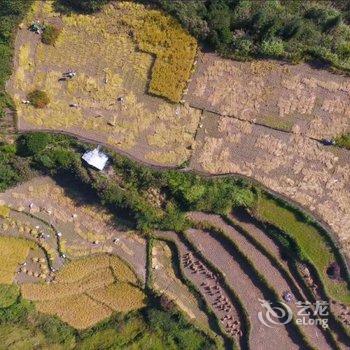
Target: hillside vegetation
[(11, 13), (293, 30)]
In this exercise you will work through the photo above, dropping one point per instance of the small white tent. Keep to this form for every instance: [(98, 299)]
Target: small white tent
[(96, 158)]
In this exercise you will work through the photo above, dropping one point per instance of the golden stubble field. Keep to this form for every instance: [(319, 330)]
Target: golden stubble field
[(105, 51), (88, 290), (297, 98), (314, 176)]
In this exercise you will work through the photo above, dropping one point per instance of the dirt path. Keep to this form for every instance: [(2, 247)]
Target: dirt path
[(202, 281), (273, 275), (262, 337)]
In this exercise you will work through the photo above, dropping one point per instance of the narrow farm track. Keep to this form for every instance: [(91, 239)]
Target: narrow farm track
[(201, 281), (247, 290), (274, 276)]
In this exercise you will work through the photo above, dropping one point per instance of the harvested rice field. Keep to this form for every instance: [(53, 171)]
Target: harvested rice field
[(88, 290), (246, 289), (167, 281), (275, 276), (292, 165), (80, 227), (218, 299), (107, 100), (296, 98)]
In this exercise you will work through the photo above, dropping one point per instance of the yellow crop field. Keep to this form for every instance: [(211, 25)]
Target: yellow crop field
[(122, 271), (79, 311), (41, 292), (174, 48), (121, 297), (87, 290), (80, 268), (13, 251)]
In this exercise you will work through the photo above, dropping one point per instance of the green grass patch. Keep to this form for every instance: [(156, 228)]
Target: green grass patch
[(312, 242), (8, 294), (343, 141)]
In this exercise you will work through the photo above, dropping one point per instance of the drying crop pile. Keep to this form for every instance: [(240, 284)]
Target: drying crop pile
[(87, 291)]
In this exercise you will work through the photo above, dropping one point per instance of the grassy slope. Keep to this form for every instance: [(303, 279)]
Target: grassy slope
[(310, 240)]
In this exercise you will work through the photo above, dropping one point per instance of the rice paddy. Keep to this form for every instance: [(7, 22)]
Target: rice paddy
[(174, 48), (88, 290), (13, 252)]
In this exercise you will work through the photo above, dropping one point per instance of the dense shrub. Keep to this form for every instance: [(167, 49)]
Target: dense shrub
[(294, 30), (272, 48), (38, 98), (50, 35), (32, 144), (12, 168)]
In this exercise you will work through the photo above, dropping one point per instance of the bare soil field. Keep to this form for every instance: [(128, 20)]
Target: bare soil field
[(273, 275), (249, 294), (312, 175), (84, 228), (107, 100), (296, 98)]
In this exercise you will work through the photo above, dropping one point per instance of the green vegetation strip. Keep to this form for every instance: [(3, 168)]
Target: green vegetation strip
[(267, 290), (149, 267), (314, 244)]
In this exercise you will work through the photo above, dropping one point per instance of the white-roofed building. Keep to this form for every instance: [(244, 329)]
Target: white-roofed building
[(96, 158)]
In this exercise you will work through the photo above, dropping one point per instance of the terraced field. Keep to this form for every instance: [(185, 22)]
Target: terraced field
[(275, 276), (228, 260), (217, 272), (217, 296)]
